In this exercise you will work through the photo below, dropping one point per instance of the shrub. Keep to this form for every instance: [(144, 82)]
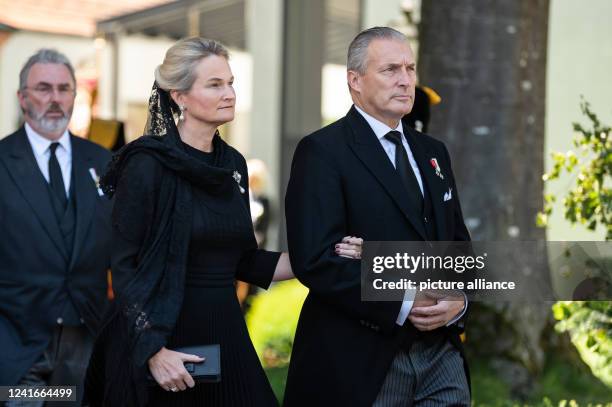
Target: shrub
[(272, 320), (589, 324)]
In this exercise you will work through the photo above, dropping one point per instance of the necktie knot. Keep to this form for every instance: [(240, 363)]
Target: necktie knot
[(395, 137), (53, 147)]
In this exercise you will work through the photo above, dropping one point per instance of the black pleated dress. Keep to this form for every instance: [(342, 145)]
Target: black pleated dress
[(220, 252)]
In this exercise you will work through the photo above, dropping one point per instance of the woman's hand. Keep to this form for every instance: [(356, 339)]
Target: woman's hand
[(168, 370), (350, 247)]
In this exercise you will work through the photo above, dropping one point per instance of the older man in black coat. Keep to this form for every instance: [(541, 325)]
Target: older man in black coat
[(55, 239), (370, 175)]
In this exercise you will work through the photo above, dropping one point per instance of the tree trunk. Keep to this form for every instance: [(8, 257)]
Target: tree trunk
[(487, 60)]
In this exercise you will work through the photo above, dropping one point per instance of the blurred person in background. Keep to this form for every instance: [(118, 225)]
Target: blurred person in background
[(55, 243), (260, 216), (260, 204), (419, 116), (182, 234)]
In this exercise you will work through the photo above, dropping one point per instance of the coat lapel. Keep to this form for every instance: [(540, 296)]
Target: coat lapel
[(22, 166), (84, 195), (436, 186), (368, 149)]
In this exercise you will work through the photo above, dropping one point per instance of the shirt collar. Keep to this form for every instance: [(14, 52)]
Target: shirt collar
[(379, 128), (40, 144)]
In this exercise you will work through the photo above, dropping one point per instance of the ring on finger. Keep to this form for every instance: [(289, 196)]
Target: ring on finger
[(174, 389)]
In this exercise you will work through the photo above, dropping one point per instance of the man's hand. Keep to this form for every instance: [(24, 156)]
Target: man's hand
[(426, 315), (425, 299)]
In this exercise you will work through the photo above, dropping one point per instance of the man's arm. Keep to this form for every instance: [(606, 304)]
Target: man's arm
[(316, 215)]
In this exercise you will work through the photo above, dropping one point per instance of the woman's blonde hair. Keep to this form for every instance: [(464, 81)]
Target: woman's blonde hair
[(177, 72)]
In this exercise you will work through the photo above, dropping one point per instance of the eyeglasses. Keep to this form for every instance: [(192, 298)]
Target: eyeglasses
[(47, 90)]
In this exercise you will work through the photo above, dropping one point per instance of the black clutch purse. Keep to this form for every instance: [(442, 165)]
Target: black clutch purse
[(208, 371)]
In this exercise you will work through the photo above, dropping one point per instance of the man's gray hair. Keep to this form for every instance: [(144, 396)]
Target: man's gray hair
[(44, 56), (358, 50)]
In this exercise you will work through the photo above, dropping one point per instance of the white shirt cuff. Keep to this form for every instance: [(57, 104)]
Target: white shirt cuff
[(406, 307), (409, 301), (462, 313)]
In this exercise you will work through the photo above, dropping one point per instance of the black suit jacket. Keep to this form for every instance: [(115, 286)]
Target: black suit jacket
[(37, 276), (343, 183)]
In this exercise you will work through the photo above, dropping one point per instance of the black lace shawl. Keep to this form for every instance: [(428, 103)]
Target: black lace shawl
[(145, 313)]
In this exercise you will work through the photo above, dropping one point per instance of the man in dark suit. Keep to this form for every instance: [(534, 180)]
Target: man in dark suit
[(371, 176), (55, 239)]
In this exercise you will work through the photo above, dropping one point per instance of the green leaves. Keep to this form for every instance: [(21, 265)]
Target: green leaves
[(589, 324), (589, 200)]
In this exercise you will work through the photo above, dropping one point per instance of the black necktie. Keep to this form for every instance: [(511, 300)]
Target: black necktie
[(404, 170), (55, 177)]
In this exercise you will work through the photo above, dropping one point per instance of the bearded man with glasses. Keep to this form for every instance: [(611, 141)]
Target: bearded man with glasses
[(55, 239)]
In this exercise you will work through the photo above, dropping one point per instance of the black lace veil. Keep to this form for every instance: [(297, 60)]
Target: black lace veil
[(160, 120)]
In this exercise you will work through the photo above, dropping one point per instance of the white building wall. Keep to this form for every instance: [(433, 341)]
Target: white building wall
[(579, 63), (265, 45)]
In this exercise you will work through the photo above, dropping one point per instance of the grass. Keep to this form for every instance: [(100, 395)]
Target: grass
[(560, 381), (568, 382), (278, 378)]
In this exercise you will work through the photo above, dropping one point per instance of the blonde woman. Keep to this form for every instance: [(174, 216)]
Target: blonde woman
[(182, 235)]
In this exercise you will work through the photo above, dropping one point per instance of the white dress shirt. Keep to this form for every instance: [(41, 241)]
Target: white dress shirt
[(42, 153), (380, 129)]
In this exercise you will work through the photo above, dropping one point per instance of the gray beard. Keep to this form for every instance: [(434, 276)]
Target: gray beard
[(52, 125), (46, 125)]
